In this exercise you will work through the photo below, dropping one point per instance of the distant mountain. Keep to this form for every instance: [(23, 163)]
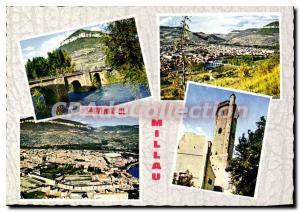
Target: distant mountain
[(85, 48), (210, 38), (268, 35), (81, 33), (265, 36), (66, 134), (271, 28), (173, 33)]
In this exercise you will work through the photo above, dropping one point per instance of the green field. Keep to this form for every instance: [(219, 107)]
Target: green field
[(256, 75)]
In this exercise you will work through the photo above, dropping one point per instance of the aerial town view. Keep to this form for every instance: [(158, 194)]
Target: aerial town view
[(99, 63), (80, 158), (221, 153), (235, 51)]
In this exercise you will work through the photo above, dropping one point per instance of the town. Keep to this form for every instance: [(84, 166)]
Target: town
[(209, 54), (78, 174)]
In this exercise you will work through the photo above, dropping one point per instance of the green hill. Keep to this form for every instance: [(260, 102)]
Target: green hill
[(65, 134), (270, 29), (86, 53), (81, 43), (77, 32), (168, 34)]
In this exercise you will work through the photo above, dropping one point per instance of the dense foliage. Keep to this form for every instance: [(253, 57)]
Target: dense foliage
[(57, 62), (250, 73), (244, 167), (123, 51)]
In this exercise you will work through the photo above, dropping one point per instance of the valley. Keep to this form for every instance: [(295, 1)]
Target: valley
[(242, 59), (64, 159)]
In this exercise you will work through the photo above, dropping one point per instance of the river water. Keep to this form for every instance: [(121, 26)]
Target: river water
[(134, 171), (111, 94)]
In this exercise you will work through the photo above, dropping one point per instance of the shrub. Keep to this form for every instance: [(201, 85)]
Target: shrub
[(205, 77)]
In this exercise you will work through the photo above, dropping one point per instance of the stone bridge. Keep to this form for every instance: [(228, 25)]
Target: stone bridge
[(55, 89)]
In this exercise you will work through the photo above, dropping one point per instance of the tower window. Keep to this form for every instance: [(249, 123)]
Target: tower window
[(210, 181), (224, 112), (220, 130)]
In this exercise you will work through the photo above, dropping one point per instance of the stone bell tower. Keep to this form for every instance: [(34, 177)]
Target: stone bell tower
[(223, 141)]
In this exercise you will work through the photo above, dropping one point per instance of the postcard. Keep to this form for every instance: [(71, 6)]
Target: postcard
[(160, 106)]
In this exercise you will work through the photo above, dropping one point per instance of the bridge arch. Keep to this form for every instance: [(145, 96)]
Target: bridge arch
[(76, 86), (97, 79)]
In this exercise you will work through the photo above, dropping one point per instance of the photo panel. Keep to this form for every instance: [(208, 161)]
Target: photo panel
[(221, 140), (234, 50), (81, 157), (100, 64)]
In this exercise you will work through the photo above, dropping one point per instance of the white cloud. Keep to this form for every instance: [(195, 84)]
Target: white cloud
[(52, 43), (194, 129), (167, 20), (32, 54), (43, 48), (95, 28), (220, 22), (29, 48)]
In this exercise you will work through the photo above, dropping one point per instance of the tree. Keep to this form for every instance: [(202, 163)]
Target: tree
[(37, 67), (123, 51), (57, 62), (183, 40), (244, 167)]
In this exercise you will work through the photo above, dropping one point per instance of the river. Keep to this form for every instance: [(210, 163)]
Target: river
[(134, 170), (111, 94)]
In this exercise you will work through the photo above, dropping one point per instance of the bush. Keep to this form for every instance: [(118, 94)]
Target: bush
[(175, 92), (205, 77), (218, 76), (57, 62)]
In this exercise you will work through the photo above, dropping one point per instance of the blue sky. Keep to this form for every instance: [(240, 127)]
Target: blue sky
[(98, 121), (200, 94), (222, 23), (41, 45)]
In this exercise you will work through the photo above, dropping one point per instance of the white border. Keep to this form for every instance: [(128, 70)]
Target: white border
[(76, 28), (115, 3), (217, 11), (87, 202), (262, 148)]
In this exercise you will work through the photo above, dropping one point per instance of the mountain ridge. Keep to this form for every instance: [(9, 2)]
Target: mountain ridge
[(268, 35), (69, 134)]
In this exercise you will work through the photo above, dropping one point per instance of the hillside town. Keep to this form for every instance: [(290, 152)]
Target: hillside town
[(81, 34), (209, 54), (77, 174)]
